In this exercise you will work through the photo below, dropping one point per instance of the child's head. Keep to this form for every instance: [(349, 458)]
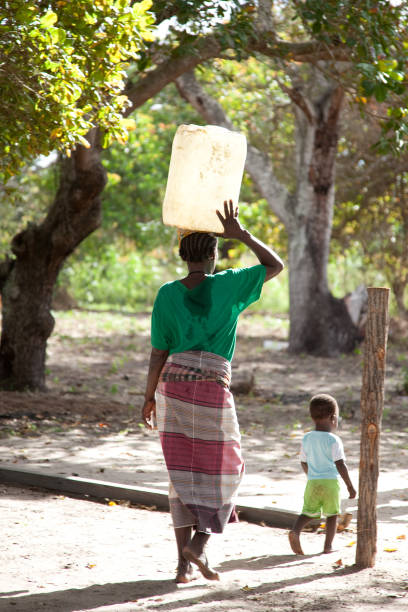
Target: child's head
[(324, 409)]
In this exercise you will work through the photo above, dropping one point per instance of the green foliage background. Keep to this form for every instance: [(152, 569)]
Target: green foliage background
[(124, 262), (65, 73)]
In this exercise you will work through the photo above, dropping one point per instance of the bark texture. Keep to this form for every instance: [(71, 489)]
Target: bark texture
[(27, 281), (320, 324), (372, 405)]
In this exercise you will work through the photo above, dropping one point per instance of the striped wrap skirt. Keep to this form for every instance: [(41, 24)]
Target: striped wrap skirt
[(200, 438)]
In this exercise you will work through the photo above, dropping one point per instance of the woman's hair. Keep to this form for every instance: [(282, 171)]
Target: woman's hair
[(198, 246), (322, 406)]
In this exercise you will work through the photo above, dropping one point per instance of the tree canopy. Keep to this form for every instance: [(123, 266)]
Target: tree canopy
[(62, 72), (62, 63), (361, 43), (375, 37)]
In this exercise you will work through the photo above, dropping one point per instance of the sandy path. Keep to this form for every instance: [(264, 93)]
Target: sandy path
[(68, 555)]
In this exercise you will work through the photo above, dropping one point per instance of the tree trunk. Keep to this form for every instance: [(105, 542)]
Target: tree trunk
[(319, 323), (372, 404), (398, 288), (27, 282)]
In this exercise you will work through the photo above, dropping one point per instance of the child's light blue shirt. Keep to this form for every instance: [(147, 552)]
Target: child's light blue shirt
[(320, 449)]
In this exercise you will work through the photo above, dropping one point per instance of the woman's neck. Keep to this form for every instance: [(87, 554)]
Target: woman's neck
[(195, 272), (202, 266)]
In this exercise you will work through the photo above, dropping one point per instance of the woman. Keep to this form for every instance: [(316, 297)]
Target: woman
[(193, 339)]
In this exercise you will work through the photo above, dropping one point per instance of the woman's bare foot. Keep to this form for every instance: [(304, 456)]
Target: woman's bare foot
[(294, 542), (201, 561), (184, 572)]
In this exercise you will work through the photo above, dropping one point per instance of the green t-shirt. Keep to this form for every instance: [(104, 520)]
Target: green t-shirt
[(204, 318)]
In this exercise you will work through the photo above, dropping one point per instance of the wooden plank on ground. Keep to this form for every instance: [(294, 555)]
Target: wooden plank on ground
[(101, 489)]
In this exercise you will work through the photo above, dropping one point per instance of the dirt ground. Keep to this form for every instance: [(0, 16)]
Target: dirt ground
[(63, 554)]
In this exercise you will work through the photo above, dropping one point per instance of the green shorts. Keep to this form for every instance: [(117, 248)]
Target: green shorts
[(321, 495)]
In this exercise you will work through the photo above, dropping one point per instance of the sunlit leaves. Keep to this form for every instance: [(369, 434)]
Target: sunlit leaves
[(377, 226), (65, 73), (375, 35)]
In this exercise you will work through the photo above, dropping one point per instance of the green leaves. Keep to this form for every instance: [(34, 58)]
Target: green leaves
[(374, 33), (48, 19), (65, 73)]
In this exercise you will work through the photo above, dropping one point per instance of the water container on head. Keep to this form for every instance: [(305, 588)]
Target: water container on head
[(206, 168)]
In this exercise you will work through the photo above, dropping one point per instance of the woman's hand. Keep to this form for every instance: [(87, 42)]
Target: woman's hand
[(230, 222), (149, 413), (233, 229), (156, 363)]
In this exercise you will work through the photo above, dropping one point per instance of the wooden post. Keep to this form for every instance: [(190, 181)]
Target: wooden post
[(372, 404)]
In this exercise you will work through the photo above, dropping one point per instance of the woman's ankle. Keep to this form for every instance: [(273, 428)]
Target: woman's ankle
[(199, 542)]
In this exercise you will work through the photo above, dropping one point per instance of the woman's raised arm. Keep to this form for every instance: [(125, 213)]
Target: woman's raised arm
[(234, 230)]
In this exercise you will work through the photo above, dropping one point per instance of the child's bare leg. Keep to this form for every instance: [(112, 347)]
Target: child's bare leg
[(331, 527), (195, 552), (294, 535), (184, 567)]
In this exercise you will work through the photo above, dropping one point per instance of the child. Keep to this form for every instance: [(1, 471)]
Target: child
[(322, 458)]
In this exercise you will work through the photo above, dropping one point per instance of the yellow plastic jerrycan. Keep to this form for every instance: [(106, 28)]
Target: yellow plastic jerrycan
[(206, 168)]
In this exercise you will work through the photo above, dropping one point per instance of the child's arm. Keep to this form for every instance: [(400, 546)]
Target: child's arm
[(304, 466), (343, 471)]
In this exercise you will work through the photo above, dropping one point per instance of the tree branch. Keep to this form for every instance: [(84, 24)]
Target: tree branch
[(209, 47), (304, 52), (294, 93), (168, 71)]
